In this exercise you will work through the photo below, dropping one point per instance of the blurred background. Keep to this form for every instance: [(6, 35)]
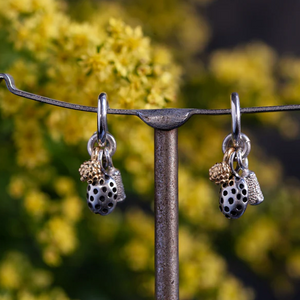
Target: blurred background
[(146, 54)]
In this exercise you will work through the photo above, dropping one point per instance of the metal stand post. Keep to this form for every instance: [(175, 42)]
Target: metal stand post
[(166, 215)]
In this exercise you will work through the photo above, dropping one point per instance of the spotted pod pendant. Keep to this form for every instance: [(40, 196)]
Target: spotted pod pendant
[(102, 195), (233, 198), (255, 194)]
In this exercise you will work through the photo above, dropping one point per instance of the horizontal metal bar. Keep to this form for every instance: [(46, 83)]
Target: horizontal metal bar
[(164, 119)]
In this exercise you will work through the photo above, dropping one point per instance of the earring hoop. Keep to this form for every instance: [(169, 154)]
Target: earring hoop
[(236, 119), (102, 119)]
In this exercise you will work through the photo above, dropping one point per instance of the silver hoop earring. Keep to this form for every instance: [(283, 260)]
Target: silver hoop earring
[(239, 185), (105, 186)]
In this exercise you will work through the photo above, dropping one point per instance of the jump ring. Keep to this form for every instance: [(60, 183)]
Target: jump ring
[(108, 159), (110, 140), (227, 154), (100, 159), (245, 144), (231, 160), (242, 163)]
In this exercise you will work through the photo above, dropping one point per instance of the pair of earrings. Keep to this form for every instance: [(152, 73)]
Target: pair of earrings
[(239, 185), (105, 186)]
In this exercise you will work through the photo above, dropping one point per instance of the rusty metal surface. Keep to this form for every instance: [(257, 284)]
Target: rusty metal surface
[(166, 215), (164, 119)]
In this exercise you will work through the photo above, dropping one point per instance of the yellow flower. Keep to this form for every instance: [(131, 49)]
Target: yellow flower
[(36, 203), (72, 208), (9, 276), (64, 186)]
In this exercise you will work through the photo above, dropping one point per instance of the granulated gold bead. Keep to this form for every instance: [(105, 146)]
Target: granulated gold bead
[(90, 171), (219, 173)]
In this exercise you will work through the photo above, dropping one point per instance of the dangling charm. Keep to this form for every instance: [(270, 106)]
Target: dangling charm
[(236, 189), (220, 172), (115, 174), (90, 170), (234, 198), (105, 187), (255, 194)]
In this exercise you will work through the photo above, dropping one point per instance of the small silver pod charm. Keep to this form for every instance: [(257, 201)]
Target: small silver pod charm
[(255, 194), (116, 176), (233, 198)]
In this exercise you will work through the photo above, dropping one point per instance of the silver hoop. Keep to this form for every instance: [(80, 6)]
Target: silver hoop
[(236, 119), (242, 163), (245, 144), (100, 159), (110, 142), (233, 170), (102, 119), (108, 160)]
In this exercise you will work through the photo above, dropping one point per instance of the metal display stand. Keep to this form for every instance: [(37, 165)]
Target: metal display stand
[(165, 123)]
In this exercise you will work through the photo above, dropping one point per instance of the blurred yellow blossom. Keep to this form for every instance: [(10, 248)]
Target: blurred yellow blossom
[(36, 203), (255, 243)]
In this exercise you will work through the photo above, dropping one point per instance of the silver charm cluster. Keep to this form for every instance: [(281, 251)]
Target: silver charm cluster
[(239, 185), (105, 187)]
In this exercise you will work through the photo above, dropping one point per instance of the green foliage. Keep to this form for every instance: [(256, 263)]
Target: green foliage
[(50, 241)]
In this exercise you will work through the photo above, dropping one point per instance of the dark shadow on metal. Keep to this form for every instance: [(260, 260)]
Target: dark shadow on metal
[(165, 119), (166, 215)]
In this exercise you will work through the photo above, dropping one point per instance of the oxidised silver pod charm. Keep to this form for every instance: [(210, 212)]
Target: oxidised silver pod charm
[(116, 176), (233, 198), (255, 194), (102, 195)]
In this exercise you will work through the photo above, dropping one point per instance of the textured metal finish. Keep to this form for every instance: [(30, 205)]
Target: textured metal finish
[(255, 194), (165, 119), (234, 198), (91, 170), (166, 215), (219, 173), (117, 177)]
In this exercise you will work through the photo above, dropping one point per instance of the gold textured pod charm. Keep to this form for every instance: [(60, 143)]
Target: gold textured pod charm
[(221, 172), (90, 170)]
